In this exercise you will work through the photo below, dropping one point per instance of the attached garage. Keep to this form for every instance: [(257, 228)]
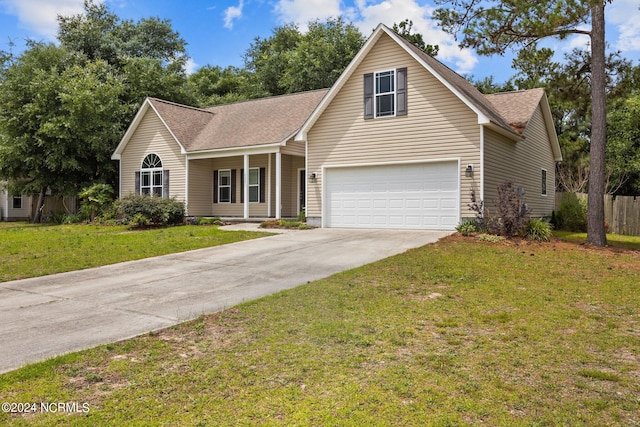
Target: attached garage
[(401, 196)]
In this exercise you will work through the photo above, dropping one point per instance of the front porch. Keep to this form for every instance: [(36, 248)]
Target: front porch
[(247, 187)]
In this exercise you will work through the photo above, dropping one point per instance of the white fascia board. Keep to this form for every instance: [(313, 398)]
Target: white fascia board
[(504, 132), (346, 74), (182, 149), (130, 130), (235, 151), (302, 134), (482, 119), (551, 129), (117, 154)]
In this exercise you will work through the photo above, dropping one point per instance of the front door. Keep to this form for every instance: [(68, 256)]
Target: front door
[(302, 188)]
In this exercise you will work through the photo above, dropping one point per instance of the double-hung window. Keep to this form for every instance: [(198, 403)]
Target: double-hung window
[(254, 185), (385, 93), (224, 186)]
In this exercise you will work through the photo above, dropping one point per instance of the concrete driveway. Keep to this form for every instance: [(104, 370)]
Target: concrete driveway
[(57, 314)]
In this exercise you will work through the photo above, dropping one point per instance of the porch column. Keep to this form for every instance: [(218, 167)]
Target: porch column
[(246, 186), (268, 187), (278, 184)]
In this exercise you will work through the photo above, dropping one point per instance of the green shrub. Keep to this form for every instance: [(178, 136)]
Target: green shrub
[(467, 226), (139, 220), (492, 238), (571, 214), (95, 200), (155, 210), (538, 229)]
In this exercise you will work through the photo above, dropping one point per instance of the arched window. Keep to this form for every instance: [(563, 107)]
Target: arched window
[(151, 175)]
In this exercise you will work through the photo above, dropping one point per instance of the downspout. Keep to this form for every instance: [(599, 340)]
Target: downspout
[(482, 167), (186, 188)]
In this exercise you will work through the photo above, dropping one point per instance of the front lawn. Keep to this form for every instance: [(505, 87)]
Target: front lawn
[(36, 250), (614, 240), (461, 332)]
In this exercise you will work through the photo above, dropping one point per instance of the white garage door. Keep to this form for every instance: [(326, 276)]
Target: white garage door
[(410, 196)]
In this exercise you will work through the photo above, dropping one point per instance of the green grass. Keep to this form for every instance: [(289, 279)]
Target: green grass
[(615, 240), (461, 332), (35, 250)]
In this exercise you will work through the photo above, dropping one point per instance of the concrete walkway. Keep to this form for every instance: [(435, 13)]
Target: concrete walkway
[(46, 316)]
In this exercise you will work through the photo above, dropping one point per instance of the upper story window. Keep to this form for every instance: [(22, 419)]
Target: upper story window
[(151, 175), (385, 93)]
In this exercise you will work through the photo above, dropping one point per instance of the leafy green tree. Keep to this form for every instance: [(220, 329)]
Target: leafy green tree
[(623, 147), (56, 111), (494, 26), (215, 85), (290, 61), (403, 29), (100, 34)]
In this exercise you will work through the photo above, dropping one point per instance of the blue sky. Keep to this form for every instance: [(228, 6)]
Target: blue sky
[(218, 32)]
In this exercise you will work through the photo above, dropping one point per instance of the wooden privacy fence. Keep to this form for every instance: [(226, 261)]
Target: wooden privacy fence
[(622, 213)]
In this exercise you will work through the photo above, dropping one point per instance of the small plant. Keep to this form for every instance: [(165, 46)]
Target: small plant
[(467, 226), (491, 238), (539, 230)]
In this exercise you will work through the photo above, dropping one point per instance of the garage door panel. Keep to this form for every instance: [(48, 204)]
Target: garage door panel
[(393, 196)]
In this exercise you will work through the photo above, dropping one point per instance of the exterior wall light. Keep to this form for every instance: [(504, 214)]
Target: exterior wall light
[(468, 172), (313, 177)]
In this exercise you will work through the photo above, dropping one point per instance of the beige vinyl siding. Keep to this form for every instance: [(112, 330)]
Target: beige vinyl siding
[(527, 158), (438, 125), (152, 136), (294, 148), (200, 187), (289, 178)]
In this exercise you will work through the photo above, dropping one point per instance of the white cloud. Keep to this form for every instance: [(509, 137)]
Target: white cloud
[(232, 13), (367, 14), (303, 11), (191, 66), (40, 16), (625, 15)]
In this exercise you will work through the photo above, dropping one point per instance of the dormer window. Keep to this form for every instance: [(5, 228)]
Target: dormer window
[(385, 93)]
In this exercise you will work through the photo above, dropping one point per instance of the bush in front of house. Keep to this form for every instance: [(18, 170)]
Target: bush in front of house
[(571, 214), (539, 230), (467, 226), (140, 210)]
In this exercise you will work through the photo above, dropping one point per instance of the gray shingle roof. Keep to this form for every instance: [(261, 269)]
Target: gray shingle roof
[(241, 124)]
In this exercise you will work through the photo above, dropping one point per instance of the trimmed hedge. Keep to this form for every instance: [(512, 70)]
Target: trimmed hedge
[(144, 210)]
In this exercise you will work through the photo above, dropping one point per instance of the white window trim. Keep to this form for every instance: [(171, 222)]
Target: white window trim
[(254, 185), (376, 94), (220, 185), (151, 172), (544, 174)]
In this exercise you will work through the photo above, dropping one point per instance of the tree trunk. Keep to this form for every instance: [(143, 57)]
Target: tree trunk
[(595, 220), (37, 217)]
